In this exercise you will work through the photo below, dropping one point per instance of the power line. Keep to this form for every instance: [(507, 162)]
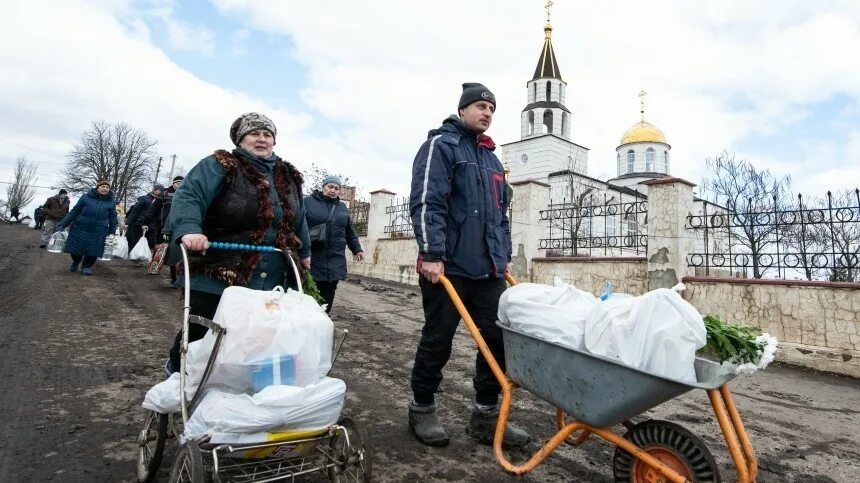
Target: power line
[(32, 185)]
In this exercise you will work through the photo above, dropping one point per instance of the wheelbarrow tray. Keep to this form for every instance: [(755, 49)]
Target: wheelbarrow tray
[(593, 389)]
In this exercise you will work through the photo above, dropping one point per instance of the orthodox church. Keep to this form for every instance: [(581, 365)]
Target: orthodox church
[(585, 213), (546, 152)]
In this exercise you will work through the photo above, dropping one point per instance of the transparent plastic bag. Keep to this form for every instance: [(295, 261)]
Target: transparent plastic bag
[(57, 241)]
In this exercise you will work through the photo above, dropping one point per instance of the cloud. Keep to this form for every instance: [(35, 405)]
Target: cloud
[(392, 71), (188, 37), (380, 74), (238, 39)]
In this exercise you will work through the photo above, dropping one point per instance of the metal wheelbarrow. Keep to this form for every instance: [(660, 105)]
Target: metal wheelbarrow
[(600, 393)]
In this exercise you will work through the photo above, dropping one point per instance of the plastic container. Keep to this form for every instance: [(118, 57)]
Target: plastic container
[(280, 370), (57, 242)]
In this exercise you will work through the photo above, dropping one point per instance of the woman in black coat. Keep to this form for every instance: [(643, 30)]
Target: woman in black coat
[(328, 259), (91, 220)]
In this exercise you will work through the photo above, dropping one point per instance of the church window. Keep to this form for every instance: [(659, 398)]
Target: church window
[(666, 162), (631, 160), (547, 121), (534, 97), (548, 89), (618, 158), (561, 93), (531, 122), (650, 154), (563, 123)]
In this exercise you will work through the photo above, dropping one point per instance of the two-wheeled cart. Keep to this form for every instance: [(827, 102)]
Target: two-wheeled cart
[(600, 393), (341, 450)]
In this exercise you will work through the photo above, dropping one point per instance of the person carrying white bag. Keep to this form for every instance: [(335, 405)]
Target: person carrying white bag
[(141, 251), (246, 196)]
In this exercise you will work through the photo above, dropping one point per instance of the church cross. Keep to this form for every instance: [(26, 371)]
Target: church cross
[(642, 104), (548, 7)]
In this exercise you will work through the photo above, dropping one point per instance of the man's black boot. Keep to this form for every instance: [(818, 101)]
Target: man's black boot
[(425, 424), (482, 426)]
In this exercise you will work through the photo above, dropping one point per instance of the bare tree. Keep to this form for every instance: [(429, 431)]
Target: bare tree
[(314, 177), (577, 197), (752, 197), (20, 193), (114, 151), (840, 234)]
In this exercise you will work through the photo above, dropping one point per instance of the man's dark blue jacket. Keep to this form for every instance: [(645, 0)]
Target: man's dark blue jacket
[(459, 203)]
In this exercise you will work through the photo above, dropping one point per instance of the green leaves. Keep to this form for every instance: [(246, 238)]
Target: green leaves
[(309, 287), (732, 342)]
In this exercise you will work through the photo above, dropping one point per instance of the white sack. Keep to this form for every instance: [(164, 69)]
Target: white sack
[(285, 408), (292, 324), (554, 313), (658, 332), (163, 398), (141, 251), (121, 250)]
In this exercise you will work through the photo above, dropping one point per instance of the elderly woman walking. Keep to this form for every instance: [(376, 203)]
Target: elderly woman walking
[(331, 231), (250, 196), (91, 220)]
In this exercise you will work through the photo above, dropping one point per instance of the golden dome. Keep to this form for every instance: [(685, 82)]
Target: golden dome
[(643, 132)]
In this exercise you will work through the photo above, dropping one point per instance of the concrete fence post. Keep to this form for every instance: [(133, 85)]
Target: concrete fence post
[(670, 201), (377, 220), (529, 198)]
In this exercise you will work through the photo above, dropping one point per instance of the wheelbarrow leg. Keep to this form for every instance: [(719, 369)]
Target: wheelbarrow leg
[(734, 433)]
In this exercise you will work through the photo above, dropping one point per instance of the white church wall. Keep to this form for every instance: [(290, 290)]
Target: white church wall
[(640, 163), (546, 154)]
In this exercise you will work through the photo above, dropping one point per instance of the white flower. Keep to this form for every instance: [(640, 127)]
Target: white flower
[(768, 344)]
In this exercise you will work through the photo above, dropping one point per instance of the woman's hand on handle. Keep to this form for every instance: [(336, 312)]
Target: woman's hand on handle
[(306, 262), (359, 256), (195, 242)]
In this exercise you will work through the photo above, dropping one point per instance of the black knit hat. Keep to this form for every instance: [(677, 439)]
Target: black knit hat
[(177, 178), (63, 192), (474, 92)]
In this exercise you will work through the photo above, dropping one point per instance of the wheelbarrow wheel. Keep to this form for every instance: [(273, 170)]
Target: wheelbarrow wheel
[(188, 465), (150, 446), (674, 446), (352, 455)]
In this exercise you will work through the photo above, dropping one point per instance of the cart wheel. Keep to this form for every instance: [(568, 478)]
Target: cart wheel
[(188, 465), (353, 458), (674, 446), (150, 445)]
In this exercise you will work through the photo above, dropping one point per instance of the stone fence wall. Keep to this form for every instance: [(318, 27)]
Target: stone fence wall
[(627, 274), (817, 323)]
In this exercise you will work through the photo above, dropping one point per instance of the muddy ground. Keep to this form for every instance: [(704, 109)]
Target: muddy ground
[(78, 353)]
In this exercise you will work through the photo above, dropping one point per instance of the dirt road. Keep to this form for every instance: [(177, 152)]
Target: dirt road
[(78, 353)]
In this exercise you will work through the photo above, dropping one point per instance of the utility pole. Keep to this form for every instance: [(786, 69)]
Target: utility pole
[(157, 170), (172, 164)]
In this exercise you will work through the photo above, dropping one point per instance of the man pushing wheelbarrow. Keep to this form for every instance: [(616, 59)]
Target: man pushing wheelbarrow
[(459, 206)]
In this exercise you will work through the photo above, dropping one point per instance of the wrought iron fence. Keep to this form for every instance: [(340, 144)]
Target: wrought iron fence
[(597, 225), (358, 213), (819, 242), (399, 220)]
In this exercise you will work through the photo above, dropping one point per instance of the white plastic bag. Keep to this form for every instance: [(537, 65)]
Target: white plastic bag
[(554, 313), (163, 398), (284, 408), (141, 251), (121, 250), (658, 332), (262, 327)]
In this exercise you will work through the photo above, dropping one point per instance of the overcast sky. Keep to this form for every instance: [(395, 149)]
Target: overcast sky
[(354, 86)]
